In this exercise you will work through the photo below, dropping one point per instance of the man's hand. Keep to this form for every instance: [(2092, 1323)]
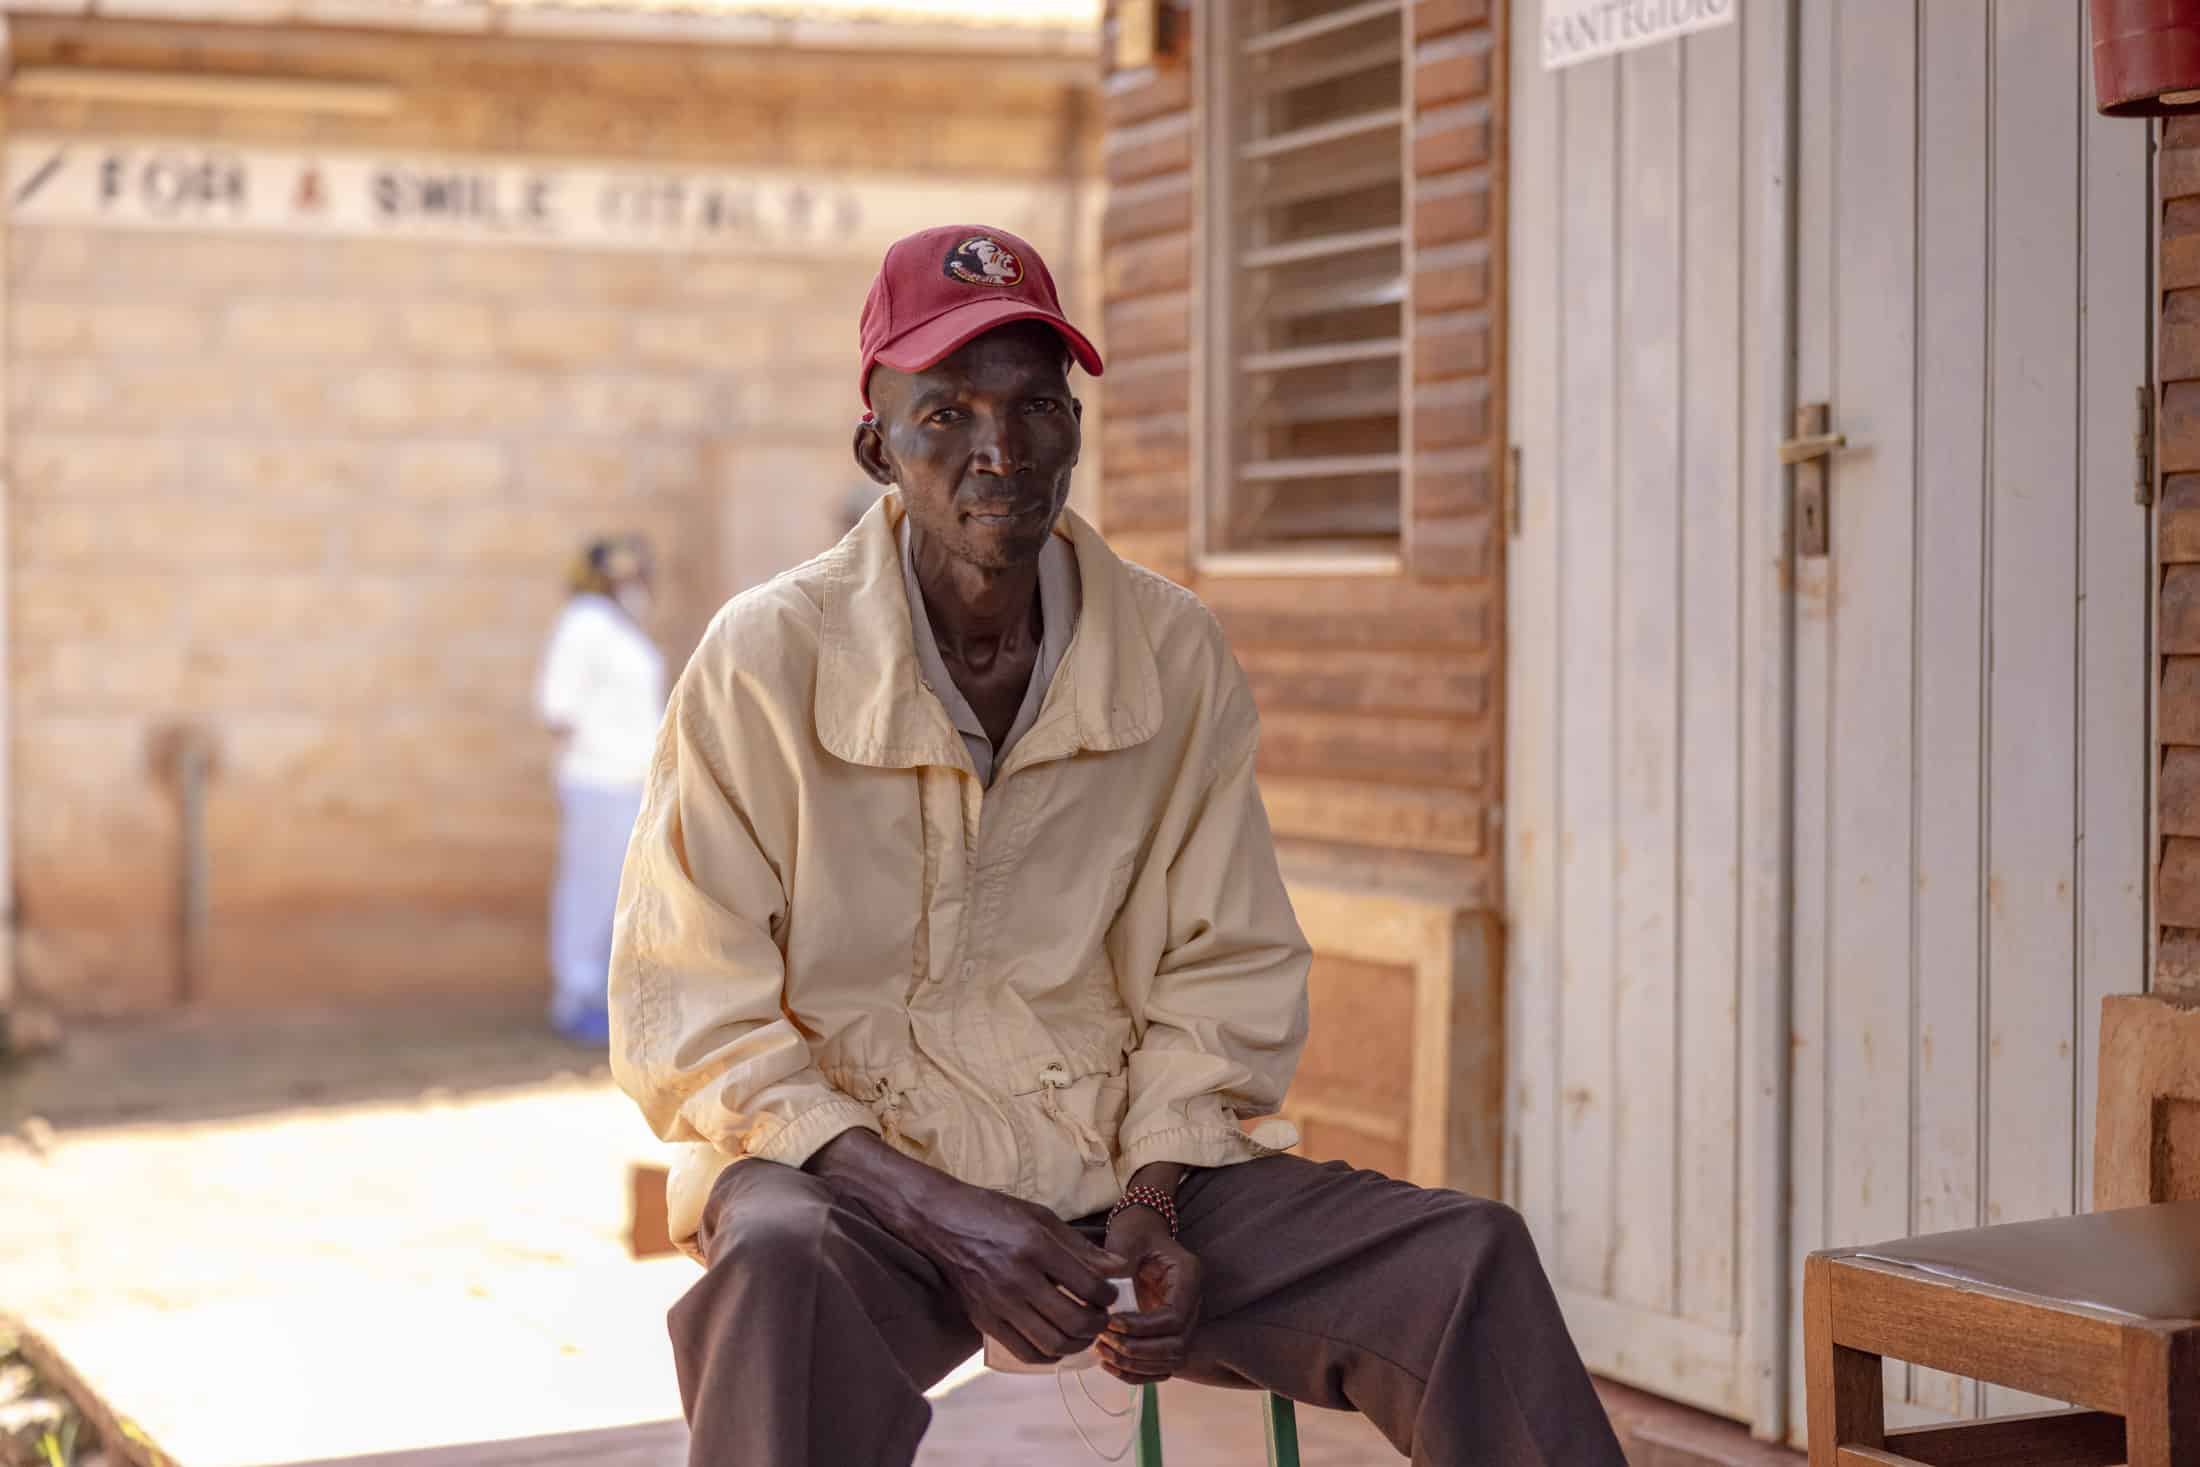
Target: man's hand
[(1006, 1257), (1007, 1260), (1154, 1343)]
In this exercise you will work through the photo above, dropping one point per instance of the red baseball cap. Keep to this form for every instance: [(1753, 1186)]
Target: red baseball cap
[(942, 288)]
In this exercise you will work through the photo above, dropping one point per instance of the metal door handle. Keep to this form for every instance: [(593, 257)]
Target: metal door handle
[(1815, 445)]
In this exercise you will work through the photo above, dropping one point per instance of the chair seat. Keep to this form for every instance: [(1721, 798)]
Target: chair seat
[(2143, 1262)]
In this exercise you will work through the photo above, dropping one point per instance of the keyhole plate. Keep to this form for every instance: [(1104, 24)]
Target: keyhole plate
[(1812, 533)]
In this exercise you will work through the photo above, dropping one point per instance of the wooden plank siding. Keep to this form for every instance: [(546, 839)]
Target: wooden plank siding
[(1381, 695)]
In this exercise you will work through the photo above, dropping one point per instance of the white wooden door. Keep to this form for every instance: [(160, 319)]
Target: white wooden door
[(1970, 658), (1817, 868), (1644, 768)]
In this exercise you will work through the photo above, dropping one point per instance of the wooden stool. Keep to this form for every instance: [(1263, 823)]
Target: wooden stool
[(2102, 1309), (1281, 1418)]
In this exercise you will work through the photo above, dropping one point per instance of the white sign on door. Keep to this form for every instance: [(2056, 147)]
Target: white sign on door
[(125, 184), (1582, 30)]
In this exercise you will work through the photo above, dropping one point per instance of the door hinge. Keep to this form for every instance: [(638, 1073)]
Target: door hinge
[(1511, 492), (2142, 449)]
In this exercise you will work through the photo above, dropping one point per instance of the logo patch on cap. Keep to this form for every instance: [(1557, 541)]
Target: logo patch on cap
[(984, 260)]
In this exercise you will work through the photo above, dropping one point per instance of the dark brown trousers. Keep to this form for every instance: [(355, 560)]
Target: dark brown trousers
[(814, 1334)]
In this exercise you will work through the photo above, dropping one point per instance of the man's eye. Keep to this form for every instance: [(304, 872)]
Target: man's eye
[(946, 416), (1043, 405)]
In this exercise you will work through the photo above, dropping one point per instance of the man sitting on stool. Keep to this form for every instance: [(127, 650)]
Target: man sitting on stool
[(953, 913)]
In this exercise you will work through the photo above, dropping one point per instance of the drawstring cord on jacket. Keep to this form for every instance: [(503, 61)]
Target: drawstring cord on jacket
[(1090, 1147), (886, 1104)]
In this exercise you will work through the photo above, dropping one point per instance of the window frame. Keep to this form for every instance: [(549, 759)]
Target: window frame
[(1216, 60)]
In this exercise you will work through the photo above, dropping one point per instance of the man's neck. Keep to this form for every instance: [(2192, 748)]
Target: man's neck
[(975, 613)]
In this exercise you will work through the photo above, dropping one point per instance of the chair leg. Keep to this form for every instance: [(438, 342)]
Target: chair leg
[(2162, 1397), (1845, 1387), (1149, 1427), (1283, 1432)]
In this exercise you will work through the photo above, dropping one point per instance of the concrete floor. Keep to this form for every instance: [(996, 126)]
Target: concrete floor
[(398, 1238)]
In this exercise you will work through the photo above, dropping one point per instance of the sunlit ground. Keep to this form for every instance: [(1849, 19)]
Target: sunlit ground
[(342, 1282), (258, 1280)]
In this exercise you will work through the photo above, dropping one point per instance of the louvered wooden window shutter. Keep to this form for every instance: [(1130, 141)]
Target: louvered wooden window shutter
[(1304, 311)]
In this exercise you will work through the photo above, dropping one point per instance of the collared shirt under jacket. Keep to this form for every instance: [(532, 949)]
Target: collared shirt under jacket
[(827, 921)]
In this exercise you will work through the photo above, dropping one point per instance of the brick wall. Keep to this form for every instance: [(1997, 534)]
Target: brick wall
[(316, 496), (1379, 696), (2177, 535)]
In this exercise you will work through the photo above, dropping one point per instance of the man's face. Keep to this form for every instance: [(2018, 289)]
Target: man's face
[(982, 444)]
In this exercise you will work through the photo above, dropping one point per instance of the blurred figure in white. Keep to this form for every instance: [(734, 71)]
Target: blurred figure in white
[(602, 691)]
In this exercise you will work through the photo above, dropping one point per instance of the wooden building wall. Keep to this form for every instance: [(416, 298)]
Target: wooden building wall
[(1380, 695)]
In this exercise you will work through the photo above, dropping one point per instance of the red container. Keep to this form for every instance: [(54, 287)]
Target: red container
[(2146, 57)]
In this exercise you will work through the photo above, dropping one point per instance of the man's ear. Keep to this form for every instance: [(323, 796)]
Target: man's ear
[(870, 450)]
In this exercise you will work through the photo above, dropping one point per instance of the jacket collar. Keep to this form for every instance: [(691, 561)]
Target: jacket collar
[(872, 706)]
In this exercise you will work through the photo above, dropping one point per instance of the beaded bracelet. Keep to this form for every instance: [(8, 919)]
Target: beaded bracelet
[(1152, 1197)]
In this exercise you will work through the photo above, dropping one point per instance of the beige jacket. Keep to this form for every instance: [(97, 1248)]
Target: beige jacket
[(1040, 987)]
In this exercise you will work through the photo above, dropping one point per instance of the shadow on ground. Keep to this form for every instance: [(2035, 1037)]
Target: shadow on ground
[(200, 1065)]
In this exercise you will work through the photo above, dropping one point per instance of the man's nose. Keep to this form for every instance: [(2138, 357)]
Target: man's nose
[(1003, 448)]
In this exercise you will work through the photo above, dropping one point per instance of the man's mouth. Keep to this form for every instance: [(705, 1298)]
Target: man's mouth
[(1006, 516)]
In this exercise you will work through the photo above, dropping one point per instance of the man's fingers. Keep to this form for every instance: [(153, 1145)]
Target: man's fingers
[(1076, 1322), (1147, 1323), (1086, 1271), (1140, 1365), (1052, 1340), (1166, 1354), (1086, 1253), (1023, 1324), (1010, 1339), (1135, 1372), (1160, 1349), (1023, 1349)]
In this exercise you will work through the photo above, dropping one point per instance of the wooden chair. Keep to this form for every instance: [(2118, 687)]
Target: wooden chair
[(2102, 1309)]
